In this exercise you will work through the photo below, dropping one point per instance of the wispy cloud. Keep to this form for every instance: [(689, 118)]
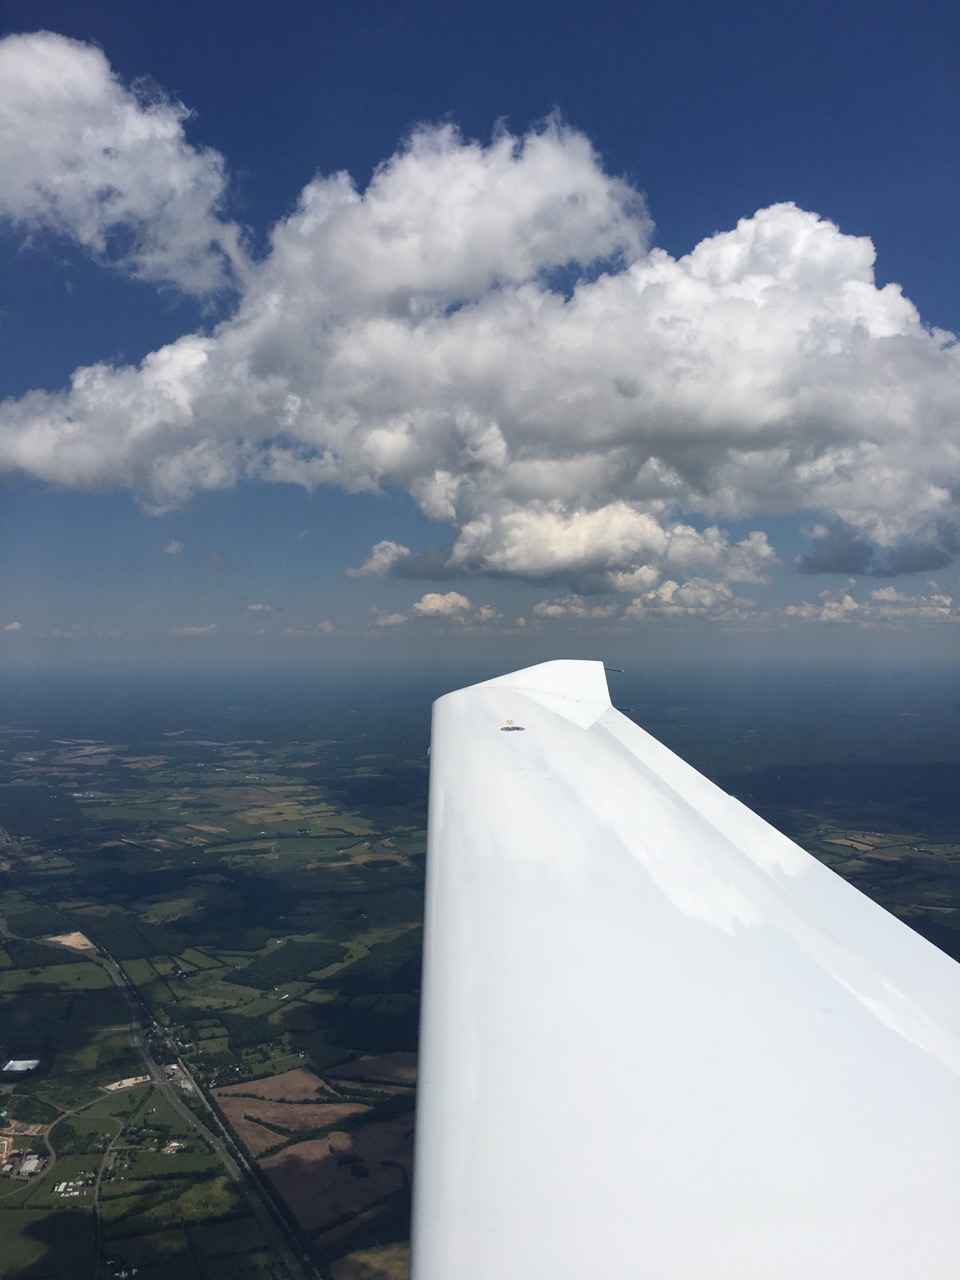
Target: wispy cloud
[(324, 628), (208, 630), (574, 607)]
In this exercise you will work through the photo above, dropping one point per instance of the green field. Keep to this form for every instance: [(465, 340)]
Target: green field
[(229, 884), (153, 1205), (45, 1245), (61, 977)]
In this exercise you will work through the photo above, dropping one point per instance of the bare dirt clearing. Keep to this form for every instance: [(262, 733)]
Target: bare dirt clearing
[(76, 941)]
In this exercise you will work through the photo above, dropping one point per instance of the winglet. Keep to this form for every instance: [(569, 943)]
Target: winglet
[(579, 679)]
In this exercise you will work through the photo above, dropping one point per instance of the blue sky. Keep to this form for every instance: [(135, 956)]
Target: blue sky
[(624, 330)]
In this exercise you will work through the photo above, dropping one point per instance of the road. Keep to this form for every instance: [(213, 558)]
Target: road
[(273, 1227)]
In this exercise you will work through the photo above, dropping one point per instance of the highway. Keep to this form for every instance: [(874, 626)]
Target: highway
[(273, 1226)]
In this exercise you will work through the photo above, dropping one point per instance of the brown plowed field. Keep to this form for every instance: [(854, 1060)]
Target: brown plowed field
[(293, 1117), (319, 1190), (299, 1085), (254, 1137)]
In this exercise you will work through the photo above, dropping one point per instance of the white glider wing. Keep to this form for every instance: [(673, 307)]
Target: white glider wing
[(659, 1040)]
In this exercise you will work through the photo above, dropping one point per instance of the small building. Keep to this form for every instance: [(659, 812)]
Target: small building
[(21, 1064)]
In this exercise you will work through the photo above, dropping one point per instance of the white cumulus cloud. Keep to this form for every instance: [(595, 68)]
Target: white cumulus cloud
[(441, 605), (383, 559), (109, 167), (698, 598), (486, 328), (886, 606)]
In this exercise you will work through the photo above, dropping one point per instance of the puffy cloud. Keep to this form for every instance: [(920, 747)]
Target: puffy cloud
[(449, 606), (437, 605), (325, 628), (485, 328), (698, 598), (109, 167), (208, 630), (586, 546), (260, 608), (13, 626), (174, 547), (886, 605), (383, 559)]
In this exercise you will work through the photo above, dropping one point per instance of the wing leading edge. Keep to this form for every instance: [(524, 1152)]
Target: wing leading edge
[(658, 1039)]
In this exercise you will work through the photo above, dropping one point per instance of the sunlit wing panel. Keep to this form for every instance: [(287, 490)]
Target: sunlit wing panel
[(658, 1039)]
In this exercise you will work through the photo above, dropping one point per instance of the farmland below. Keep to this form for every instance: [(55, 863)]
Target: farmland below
[(213, 888), (211, 906)]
